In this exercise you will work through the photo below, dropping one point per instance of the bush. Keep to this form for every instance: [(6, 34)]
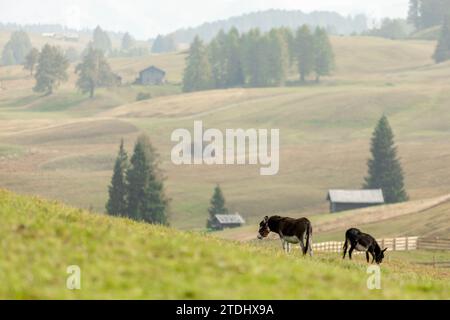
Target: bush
[(143, 96)]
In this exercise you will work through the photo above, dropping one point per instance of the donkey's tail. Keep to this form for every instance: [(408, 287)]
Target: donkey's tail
[(308, 246)]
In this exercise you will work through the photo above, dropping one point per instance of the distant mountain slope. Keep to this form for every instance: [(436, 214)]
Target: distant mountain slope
[(266, 20)]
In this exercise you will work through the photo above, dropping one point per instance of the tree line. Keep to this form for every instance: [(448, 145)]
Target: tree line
[(256, 59)]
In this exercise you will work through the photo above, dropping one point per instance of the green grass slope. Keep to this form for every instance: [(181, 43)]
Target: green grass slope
[(121, 259)]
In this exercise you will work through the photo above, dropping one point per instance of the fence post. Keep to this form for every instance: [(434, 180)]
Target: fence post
[(394, 244), (407, 244)]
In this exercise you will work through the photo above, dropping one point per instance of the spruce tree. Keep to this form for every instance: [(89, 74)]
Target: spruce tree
[(117, 203), (324, 56), (51, 69), (217, 205), (197, 74), (384, 168), (145, 190), (305, 52), (442, 52)]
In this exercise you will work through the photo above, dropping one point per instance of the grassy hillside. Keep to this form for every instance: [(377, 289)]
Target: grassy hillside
[(325, 132), (120, 259)]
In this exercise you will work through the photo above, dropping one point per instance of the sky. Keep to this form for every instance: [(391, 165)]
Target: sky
[(147, 18)]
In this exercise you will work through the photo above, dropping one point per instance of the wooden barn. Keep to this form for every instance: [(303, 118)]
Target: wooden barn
[(226, 221), (343, 200), (152, 76)]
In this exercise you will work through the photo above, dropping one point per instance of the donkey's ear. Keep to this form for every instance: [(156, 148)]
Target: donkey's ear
[(385, 250), (266, 218)]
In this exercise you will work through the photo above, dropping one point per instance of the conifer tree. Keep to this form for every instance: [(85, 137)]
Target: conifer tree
[(442, 52), (117, 203), (145, 190), (217, 205), (94, 71), (384, 167), (305, 52), (127, 42), (197, 74), (16, 49), (51, 69), (324, 56), (101, 41)]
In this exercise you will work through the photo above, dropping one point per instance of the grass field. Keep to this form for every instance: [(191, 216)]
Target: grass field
[(121, 259), (325, 132)]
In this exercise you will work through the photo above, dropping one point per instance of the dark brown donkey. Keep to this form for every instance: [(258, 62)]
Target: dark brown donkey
[(290, 231)]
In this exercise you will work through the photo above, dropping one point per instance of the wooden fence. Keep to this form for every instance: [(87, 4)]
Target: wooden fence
[(434, 244), (393, 244)]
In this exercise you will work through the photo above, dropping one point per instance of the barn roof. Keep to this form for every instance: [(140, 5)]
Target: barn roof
[(356, 196), (230, 218), (154, 69)]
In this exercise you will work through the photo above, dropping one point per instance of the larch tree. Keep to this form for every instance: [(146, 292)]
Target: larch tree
[(384, 168), (94, 71), (197, 74), (323, 54), (51, 69), (31, 60), (305, 52)]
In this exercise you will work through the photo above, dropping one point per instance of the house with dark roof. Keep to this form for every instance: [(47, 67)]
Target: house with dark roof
[(152, 76), (343, 200), (226, 221)]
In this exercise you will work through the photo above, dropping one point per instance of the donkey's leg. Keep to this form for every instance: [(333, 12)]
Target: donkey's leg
[(302, 247), (345, 249), (288, 247), (284, 244), (351, 251), (367, 256)]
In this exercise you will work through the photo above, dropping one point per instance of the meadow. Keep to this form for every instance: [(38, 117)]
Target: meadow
[(63, 146), (122, 259)]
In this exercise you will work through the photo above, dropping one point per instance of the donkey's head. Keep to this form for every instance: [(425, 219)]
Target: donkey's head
[(380, 256), (264, 229)]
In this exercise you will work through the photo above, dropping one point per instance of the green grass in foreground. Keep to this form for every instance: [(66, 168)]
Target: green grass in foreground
[(127, 260)]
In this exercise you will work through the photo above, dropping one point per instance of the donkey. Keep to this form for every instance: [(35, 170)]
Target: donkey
[(290, 231), (363, 242)]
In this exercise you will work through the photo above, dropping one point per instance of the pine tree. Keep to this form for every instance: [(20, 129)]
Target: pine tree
[(384, 168), (145, 190), (324, 56), (414, 13), (101, 41), (31, 60), (127, 42), (277, 58), (8, 56), (218, 57), (217, 205), (117, 203), (197, 74), (305, 52), (234, 72), (51, 69), (442, 52), (94, 71)]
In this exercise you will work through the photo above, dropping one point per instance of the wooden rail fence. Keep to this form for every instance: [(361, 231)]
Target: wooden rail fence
[(393, 244)]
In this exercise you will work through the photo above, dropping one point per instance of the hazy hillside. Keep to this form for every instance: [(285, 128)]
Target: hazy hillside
[(120, 259), (266, 20), (325, 132)]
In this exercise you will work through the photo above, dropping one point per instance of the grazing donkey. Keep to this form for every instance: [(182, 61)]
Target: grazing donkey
[(290, 231), (363, 242)]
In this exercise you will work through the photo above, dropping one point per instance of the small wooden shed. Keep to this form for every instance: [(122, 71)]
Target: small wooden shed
[(343, 200), (226, 221), (151, 76)]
